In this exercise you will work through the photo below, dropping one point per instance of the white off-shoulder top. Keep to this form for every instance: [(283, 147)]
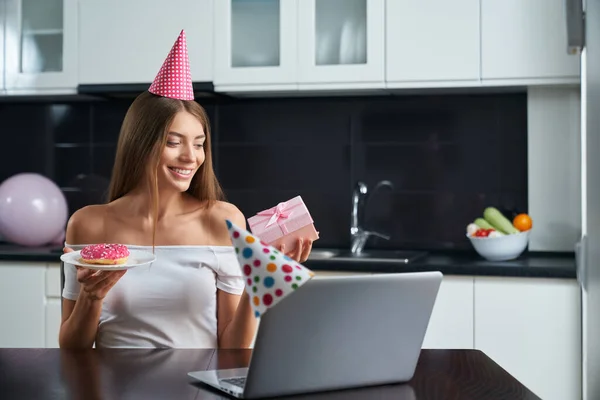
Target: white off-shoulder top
[(169, 303)]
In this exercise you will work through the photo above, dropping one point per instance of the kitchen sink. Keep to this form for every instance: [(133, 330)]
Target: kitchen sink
[(393, 256), (317, 254), (403, 256)]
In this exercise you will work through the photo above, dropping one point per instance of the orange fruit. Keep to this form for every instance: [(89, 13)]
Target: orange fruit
[(523, 222)]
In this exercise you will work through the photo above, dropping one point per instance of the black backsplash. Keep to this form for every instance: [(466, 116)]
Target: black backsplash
[(448, 157)]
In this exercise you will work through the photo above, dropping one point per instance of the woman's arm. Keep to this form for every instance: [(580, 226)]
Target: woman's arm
[(80, 317), (237, 314), (79, 322), (236, 323), (236, 320)]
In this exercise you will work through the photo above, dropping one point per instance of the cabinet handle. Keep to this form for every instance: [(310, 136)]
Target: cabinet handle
[(580, 264)]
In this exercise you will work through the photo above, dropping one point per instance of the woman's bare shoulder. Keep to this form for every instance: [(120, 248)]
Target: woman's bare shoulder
[(86, 225), (222, 210), (218, 214)]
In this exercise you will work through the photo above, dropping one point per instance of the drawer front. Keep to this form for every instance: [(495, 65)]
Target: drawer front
[(53, 286)]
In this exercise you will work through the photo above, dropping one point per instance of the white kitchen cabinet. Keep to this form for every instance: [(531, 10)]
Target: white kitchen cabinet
[(53, 304), (451, 322), (40, 46), (30, 305), (341, 42), (532, 328), (2, 51), (286, 45), (433, 43), (127, 41), (22, 304), (255, 44), (524, 42), (53, 318)]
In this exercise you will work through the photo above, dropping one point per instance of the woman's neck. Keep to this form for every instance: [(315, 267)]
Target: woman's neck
[(170, 203)]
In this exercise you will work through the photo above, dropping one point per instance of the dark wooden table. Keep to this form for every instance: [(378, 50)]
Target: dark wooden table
[(162, 374)]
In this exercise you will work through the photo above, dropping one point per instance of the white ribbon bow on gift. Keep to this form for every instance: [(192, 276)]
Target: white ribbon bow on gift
[(276, 213)]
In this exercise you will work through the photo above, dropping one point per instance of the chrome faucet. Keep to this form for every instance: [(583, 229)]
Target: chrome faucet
[(359, 236)]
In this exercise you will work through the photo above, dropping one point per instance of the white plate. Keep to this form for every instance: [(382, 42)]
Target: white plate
[(136, 259)]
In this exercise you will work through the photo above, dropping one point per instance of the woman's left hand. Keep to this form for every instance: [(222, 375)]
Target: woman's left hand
[(300, 252)]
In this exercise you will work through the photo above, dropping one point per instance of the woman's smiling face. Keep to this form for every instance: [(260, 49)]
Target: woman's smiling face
[(183, 153)]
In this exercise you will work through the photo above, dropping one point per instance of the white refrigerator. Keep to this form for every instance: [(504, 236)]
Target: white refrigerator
[(583, 29)]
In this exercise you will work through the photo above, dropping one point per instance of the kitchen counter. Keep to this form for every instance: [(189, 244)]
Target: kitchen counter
[(162, 374), (533, 264), (13, 252), (538, 265)]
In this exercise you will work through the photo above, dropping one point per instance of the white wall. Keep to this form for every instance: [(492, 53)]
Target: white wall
[(554, 168)]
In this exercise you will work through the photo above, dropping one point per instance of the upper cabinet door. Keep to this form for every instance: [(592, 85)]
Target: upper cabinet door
[(526, 40), (432, 42), (255, 42), (41, 45), (341, 41), (126, 41), (2, 47)]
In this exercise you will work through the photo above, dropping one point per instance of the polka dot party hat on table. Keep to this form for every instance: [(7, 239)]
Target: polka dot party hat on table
[(174, 79), (270, 276)]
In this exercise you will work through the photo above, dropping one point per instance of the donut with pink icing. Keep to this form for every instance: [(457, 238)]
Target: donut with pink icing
[(105, 253)]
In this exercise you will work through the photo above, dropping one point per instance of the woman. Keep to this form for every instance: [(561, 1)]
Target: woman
[(163, 197)]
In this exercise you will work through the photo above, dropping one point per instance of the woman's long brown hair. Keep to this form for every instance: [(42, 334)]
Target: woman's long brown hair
[(142, 139)]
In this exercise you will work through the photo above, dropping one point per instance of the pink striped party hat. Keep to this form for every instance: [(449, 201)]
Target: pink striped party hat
[(174, 79)]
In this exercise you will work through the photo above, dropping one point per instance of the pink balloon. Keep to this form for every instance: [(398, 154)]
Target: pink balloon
[(33, 210), (60, 238)]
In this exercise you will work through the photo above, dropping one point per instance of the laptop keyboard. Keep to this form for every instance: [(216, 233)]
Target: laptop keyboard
[(237, 381)]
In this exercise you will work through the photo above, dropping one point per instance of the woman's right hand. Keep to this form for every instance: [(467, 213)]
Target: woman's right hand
[(95, 284)]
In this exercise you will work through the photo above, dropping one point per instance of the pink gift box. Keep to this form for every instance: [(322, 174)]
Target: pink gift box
[(284, 224)]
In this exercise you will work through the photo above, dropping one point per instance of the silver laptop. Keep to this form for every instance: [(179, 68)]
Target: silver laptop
[(336, 333)]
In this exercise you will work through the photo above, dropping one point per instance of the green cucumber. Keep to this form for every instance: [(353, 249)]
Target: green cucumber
[(499, 221), (483, 224)]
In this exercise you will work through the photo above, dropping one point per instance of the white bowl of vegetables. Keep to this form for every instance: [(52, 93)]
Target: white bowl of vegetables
[(495, 238)]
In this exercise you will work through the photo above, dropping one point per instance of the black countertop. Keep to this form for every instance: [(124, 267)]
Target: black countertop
[(43, 374), (531, 264), (11, 252)]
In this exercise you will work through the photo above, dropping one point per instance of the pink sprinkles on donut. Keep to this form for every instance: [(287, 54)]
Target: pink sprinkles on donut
[(104, 251)]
